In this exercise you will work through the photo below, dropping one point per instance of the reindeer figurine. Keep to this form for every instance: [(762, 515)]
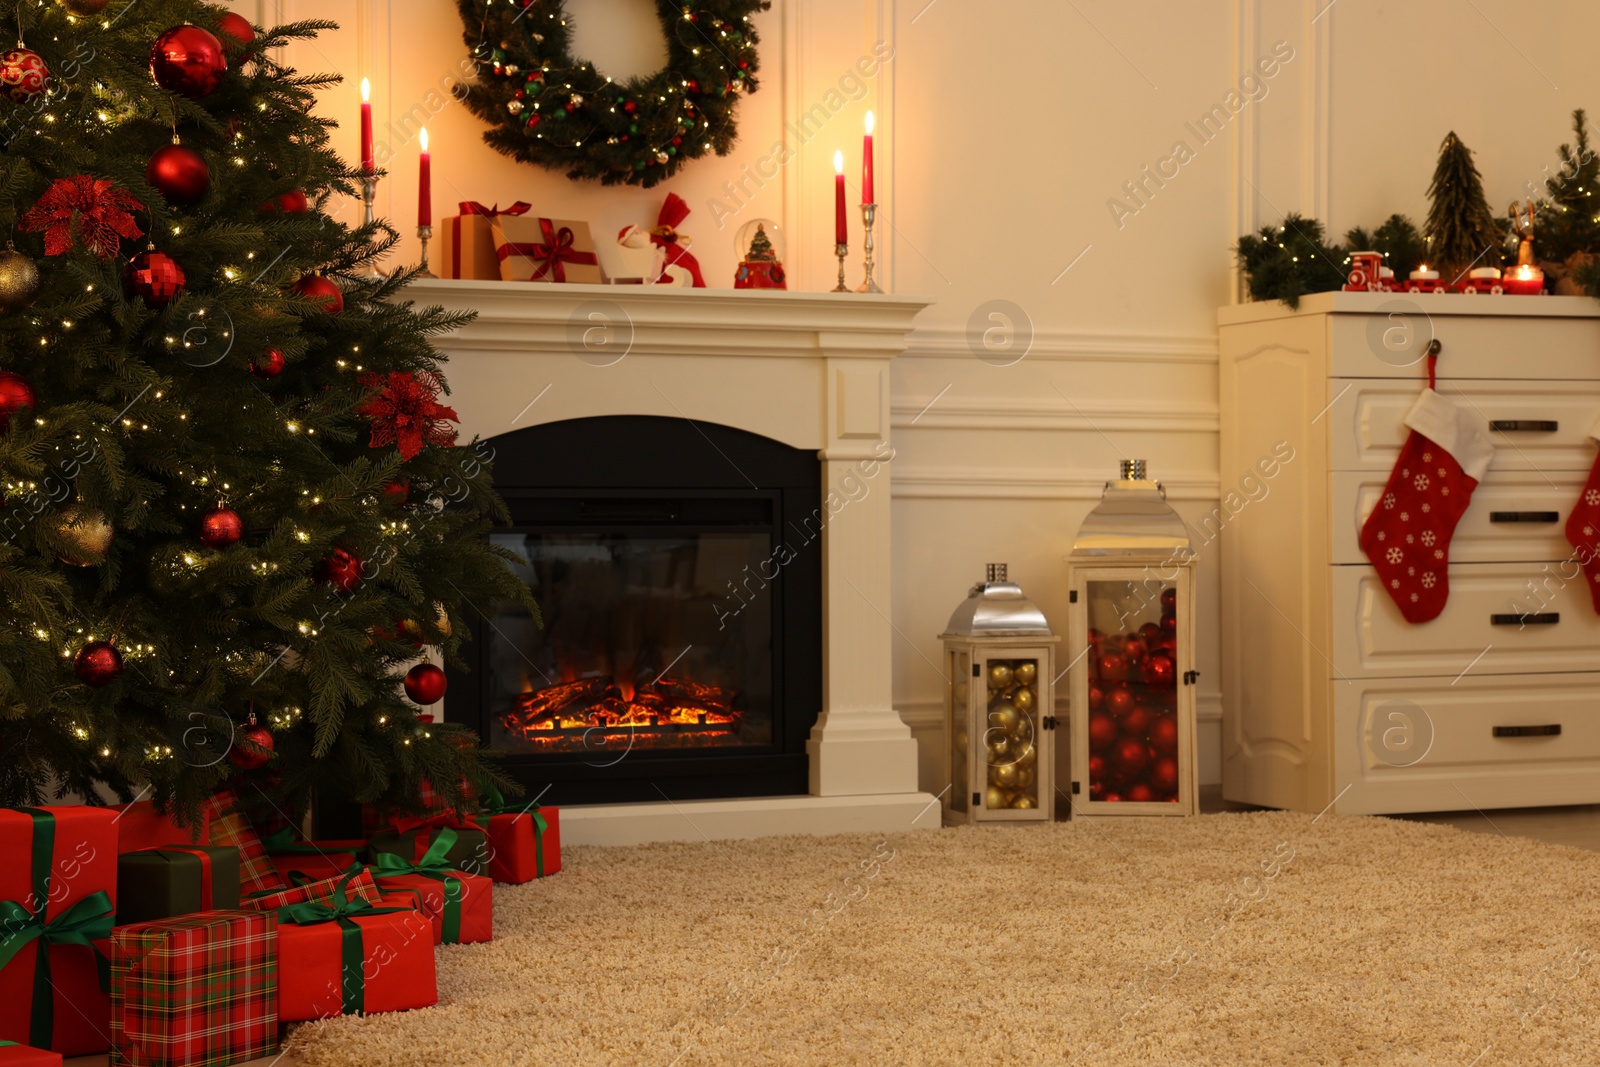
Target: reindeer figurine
[(1522, 226)]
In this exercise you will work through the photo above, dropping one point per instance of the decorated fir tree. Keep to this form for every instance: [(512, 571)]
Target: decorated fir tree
[(1461, 230), (231, 486), (1569, 217)]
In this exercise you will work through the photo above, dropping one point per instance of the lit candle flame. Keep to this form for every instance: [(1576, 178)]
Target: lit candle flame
[(871, 122), (366, 91), (1423, 267), (1524, 272), (423, 137), (838, 162)]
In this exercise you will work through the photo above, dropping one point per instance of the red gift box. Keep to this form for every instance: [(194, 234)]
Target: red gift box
[(523, 845), (313, 859), (51, 963), (228, 826), (140, 826), (195, 991), (348, 957), (460, 906), (15, 1055)]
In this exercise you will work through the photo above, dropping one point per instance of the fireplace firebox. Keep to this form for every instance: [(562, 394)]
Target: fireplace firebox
[(677, 566)]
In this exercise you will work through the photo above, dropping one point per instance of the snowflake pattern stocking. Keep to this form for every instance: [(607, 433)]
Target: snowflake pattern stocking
[(1407, 536), (1583, 529)]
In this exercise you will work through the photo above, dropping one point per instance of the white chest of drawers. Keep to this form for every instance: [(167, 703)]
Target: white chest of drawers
[(1329, 695)]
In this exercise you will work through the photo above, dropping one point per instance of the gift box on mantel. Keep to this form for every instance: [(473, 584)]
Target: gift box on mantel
[(524, 843), (157, 883), (460, 905), (14, 1055), (534, 249), (195, 991), (347, 956), (467, 242), (58, 883)]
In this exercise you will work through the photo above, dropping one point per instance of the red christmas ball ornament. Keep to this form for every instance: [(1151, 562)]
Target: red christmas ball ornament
[(294, 202), (237, 29), (155, 278), (179, 174), (316, 287), (1159, 672), (188, 60), (1112, 798), (1169, 602), (1133, 648), (1140, 794), (24, 76), (1111, 667), (1102, 731), (1136, 723), (1097, 767), (1169, 626), (1097, 698), (253, 747), (1130, 756), (341, 569), (97, 664), (1164, 775), (425, 684), (1150, 633), (1164, 734), (221, 527), (268, 364), (1119, 701), (1095, 638), (15, 395)]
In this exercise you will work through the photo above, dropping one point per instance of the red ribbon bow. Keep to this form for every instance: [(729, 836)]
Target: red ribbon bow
[(549, 256), (472, 207)]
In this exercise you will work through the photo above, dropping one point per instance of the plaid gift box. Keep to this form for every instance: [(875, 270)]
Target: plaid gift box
[(58, 883), (460, 906), (228, 826), (157, 883), (196, 991), (360, 887), (15, 1055), (140, 825)]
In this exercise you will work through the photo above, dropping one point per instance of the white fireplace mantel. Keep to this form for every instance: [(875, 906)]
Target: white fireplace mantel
[(808, 369)]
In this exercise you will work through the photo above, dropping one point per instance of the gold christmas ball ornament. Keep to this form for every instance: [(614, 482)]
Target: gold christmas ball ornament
[(1025, 673), (1023, 699), (89, 534), (19, 280), (1023, 802), (995, 798), (84, 8), (1003, 716), (999, 675), (961, 693), (1004, 776), (999, 749), (1026, 754), (1025, 776)]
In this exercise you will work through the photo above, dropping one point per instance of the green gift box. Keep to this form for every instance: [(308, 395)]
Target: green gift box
[(469, 853), (160, 883)]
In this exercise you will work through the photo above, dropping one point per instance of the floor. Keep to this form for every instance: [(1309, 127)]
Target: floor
[(1578, 827)]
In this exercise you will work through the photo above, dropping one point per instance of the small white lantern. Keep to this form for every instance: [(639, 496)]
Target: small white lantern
[(999, 706), (1131, 589)]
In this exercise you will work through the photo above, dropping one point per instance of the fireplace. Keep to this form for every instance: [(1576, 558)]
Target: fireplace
[(679, 580)]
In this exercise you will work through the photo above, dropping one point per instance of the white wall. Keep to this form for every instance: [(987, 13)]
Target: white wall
[(1005, 131)]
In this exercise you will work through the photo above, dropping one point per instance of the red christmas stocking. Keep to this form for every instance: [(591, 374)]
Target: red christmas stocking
[(1583, 529), (1407, 536)]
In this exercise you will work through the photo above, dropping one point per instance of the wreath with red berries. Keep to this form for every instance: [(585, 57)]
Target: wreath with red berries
[(545, 106)]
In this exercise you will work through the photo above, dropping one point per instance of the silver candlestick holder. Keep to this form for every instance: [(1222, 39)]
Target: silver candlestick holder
[(369, 194), (841, 250), (869, 215), (423, 233)]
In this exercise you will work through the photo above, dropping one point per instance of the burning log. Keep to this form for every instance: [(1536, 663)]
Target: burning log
[(681, 691), (551, 701)]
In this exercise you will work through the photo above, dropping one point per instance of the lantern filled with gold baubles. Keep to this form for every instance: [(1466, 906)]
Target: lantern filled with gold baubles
[(1000, 706), (1130, 584)]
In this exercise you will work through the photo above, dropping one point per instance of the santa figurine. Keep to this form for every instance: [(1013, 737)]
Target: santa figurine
[(681, 268)]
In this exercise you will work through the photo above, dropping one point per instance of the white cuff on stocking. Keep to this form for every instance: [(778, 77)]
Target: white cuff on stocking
[(1464, 434)]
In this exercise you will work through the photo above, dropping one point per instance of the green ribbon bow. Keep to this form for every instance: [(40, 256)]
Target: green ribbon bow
[(495, 804), (433, 864), (87, 921), (353, 983)]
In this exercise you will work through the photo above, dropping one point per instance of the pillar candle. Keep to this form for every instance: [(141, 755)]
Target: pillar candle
[(841, 228), (425, 186), (867, 194), (366, 126)]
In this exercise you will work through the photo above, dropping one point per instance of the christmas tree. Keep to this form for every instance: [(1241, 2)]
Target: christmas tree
[(1461, 230), (1567, 222), (761, 249), (231, 487), (1287, 261)]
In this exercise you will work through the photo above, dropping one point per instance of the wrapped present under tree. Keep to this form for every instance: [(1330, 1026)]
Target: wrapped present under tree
[(460, 905), (524, 843), (158, 883)]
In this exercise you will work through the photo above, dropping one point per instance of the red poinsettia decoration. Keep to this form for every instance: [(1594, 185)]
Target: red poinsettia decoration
[(405, 411), (94, 207)]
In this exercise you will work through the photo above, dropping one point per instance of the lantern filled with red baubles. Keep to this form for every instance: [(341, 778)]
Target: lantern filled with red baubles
[(999, 706), (1130, 583)]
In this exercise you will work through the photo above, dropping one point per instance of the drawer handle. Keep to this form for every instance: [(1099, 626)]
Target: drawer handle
[(1524, 516), (1531, 618), (1551, 730), (1525, 425)]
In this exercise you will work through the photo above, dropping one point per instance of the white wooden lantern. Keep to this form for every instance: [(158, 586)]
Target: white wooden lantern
[(999, 706), (1131, 590)]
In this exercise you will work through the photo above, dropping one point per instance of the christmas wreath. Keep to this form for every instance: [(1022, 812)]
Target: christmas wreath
[(548, 107)]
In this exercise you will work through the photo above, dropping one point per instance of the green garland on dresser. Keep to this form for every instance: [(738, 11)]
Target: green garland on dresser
[(546, 106)]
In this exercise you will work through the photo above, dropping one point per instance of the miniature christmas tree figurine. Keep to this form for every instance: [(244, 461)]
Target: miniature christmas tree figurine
[(760, 247), (1461, 229), (762, 266)]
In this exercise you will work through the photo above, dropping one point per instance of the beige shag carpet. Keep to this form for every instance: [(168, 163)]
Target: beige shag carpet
[(1262, 938)]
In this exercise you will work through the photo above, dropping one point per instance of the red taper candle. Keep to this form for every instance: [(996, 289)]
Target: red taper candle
[(841, 228), (366, 127), (425, 185), (867, 195)]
